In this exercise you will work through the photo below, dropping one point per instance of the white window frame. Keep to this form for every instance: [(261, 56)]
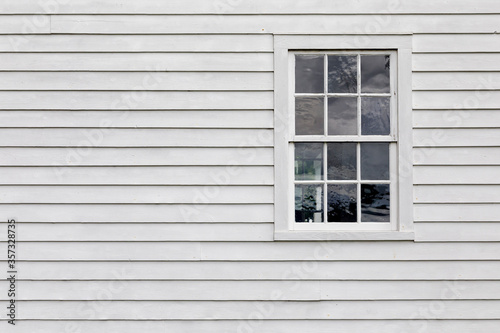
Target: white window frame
[(399, 47)]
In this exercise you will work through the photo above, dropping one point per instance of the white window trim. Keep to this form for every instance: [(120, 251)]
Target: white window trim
[(284, 46)]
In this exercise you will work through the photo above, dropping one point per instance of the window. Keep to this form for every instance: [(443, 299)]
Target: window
[(340, 147)]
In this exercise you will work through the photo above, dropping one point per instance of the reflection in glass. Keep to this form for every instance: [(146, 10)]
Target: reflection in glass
[(342, 113), (342, 205), (309, 161), (309, 117), (375, 116), (375, 203), (342, 74), (375, 161), (309, 73), (308, 203), (341, 161), (375, 71)]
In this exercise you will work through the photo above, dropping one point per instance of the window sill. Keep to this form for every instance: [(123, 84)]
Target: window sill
[(343, 236)]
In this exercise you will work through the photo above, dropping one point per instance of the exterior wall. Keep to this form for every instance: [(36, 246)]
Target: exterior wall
[(163, 222)]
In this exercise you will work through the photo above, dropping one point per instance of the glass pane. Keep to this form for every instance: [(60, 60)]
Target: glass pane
[(309, 117), (375, 161), (342, 114), (309, 74), (309, 203), (342, 205), (375, 203), (375, 115), (341, 161), (309, 161), (375, 71), (342, 74)]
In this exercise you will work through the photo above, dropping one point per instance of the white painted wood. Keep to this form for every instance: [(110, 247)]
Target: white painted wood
[(135, 80), (105, 137), (140, 43), (186, 310), (135, 156), (438, 137), (457, 156), (141, 62), (458, 232), (257, 290), (193, 212), (172, 175), (261, 270), (136, 194), (458, 62), (154, 24), (457, 212), (83, 232), (24, 24), (448, 42), (106, 100), (456, 118), (457, 194), (456, 99), (254, 7), (264, 326), (139, 119), (458, 174), (457, 80)]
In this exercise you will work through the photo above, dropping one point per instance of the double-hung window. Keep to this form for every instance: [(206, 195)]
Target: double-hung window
[(339, 152)]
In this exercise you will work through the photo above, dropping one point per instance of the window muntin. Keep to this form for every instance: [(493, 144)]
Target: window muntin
[(344, 143)]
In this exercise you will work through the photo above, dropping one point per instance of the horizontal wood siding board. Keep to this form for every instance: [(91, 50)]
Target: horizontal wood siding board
[(135, 156), (193, 310), (152, 63), (105, 137), (261, 270), (456, 193), (24, 25), (459, 64), (457, 80), (106, 100), (195, 211), (156, 176), (457, 156), (255, 7), (260, 290), (439, 137), (199, 43), (458, 174), (456, 119), (456, 100), (458, 232), (447, 43), (158, 24), (460, 212)]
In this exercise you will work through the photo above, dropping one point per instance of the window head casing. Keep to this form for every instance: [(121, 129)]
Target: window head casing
[(343, 138)]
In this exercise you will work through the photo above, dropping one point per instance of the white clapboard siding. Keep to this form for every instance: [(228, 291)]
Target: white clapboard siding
[(458, 80), (258, 270), (140, 232), (257, 251), (458, 232), (24, 24), (447, 62), (256, 290), (138, 62), (438, 137), (196, 211), (105, 100), (456, 194), (156, 24), (136, 194), (139, 119), (267, 326), (456, 99), (138, 43), (189, 310), (135, 156), (456, 118), (446, 43), (103, 137), (136, 81), (457, 156), (172, 175), (243, 7), (482, 212), (457, 174)]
